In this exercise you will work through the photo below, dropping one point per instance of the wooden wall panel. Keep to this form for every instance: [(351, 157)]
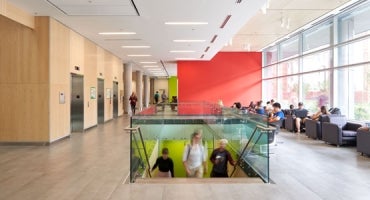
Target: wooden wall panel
[(59, 80), (24, 81), (90, 80)]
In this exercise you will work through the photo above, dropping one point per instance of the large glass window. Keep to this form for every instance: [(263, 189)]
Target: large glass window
[(317, 38), (316, 61), (288, 91), (351, 91), (355, 24), (290, 47), (316, 90), (271, 55), (270, 71), (324, 65), (288, 67), (355, 52), (270, 89)]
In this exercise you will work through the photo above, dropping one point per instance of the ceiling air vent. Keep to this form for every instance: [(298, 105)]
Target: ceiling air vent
[(214, 39), (225, 21)]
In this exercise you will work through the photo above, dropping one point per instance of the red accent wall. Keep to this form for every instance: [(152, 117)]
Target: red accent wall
[(229, 76)]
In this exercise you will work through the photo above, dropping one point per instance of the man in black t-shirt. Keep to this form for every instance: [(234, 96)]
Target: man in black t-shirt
[(219, 158)]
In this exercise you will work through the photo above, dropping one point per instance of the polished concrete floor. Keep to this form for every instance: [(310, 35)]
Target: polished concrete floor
[(94, 165)]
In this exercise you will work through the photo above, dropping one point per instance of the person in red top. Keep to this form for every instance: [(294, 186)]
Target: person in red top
[(133, 100), (219, 158)]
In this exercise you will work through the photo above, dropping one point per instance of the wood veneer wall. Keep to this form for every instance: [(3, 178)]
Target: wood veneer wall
[(24, 81)]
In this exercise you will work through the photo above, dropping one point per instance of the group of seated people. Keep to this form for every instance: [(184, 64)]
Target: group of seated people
[(275, 114)]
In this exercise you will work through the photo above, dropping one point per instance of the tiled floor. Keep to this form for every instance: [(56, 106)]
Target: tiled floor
[(94, 164)]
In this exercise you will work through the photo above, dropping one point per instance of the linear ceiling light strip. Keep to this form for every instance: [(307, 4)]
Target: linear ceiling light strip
[(225, 21), (134, 5)]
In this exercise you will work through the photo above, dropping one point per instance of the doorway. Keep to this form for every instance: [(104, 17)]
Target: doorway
[(115, 99), (100, 101), (77, 103)]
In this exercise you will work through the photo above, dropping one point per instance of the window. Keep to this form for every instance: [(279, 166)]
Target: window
[(269, 72), (324, 65), (315, 90), (290, 48), (288, 91), (352, 91), (288, 67), (271, 55), (355, 52), (355, 24), (316, 61), (317, 38)]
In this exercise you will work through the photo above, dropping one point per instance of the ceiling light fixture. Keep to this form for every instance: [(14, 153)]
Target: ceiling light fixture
[(117, 33), (189, 40), (135, 47), (186, 23), (238, 1), (206, 49), (225, 21), (182, 51), (139, 55), (214, 38)]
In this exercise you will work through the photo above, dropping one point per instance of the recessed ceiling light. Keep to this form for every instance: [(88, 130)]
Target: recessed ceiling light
[(189, 40), (139, 55), (186, 23), (182, 51), (148, 62), (135, 47), (117, 33)]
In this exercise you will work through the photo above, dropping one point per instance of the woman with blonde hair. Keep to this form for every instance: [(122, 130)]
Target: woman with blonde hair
[(195, 156)]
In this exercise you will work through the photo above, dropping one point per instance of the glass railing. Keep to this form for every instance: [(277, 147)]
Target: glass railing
[(248, 136)]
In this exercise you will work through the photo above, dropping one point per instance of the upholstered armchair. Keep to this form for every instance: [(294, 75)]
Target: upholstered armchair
[(338, 131), (363, 142)]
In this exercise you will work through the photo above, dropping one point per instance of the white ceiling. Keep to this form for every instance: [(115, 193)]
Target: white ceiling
[(263, 29), (248, 26)]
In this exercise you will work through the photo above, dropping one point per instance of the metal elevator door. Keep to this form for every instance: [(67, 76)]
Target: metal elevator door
[(77, 103), (115, 99), (100, 101)]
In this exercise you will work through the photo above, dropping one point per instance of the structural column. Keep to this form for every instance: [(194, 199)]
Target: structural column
[(139, 90), (127, 86), (146, 90)]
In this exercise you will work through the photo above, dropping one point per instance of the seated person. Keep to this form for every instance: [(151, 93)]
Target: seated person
[(323, 111), (364, 128), (237, 105), (259, 108), (300, 114), (277, 116)]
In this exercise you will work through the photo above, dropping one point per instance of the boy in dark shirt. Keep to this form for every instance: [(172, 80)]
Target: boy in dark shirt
[(219, 158), (165, 165)]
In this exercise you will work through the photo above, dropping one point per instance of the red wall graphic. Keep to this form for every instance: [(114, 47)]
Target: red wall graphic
[(229, 76)]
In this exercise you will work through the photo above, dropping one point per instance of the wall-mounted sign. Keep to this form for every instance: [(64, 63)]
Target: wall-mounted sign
[(108, 93), (92, 93), (62, 98)]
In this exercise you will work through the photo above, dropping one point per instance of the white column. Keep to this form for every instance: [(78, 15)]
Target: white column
[(127, 86), (139, 90), (146, 90)]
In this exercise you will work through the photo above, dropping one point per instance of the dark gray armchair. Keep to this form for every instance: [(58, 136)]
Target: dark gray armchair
[(363, 142), (313, 127), (289, 123), (338, 131)]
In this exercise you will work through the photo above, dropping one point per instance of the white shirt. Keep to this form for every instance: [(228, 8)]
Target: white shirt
[(196, 157)]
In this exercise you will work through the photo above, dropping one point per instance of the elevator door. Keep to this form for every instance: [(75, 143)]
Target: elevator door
[(100, 101), (115, 99), (77, 104)]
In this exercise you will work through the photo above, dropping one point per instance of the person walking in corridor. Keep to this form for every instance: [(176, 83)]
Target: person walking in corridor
[(133, 100), (219, 158)]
